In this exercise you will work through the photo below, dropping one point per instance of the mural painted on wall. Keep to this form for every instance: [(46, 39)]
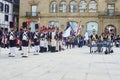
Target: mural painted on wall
[(92, 26)]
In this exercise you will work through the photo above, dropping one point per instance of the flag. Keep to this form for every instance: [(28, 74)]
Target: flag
[(67, 30), (79, 29), (39, 23), (28, 22)]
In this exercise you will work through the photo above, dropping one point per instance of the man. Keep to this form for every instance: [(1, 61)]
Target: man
[(53, 41), (94, 38), (1, 34), (57, 39), (12, 40), (42, 41), (20, 39), (5, 39), (30, 35), (36, 37), (25, 40), (49, 37)]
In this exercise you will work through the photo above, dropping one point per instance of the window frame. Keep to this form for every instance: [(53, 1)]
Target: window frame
[(72, 4), (80, 4), (53, 7), (91, 4)]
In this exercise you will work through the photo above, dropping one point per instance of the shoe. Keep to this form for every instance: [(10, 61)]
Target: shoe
[(20, 49), (56, 51), (24, 56), (10, 55), (36, 54), (22, 53)]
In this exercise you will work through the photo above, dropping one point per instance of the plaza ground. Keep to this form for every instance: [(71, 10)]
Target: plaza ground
[(71, 64)]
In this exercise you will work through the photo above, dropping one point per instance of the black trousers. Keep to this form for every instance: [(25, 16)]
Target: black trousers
[(42, 49), (49, 48), (53, 49)]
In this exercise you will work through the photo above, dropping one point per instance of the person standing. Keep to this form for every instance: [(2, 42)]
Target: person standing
[(53, 41), (57, 39), (36, 37), (49, 37), (12, 40), (42, 41), (25, 40), (1, 35)]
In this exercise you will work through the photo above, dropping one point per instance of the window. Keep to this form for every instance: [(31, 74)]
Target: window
[(92, 6), (91, 26), (34, 10), (111, 9), (53, 7), (63, 7), (73, 6), (74, 25), (6, 8), (6, 18), (32, 24), (82, 6), (1, 7)]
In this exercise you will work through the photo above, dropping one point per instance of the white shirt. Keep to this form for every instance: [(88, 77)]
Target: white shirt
[(24, 36)]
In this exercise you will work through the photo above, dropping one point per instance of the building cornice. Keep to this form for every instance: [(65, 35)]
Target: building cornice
[(34, 2)]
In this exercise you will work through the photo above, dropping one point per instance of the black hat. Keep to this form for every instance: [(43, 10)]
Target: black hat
[(11, 25), (36, 26), (24, 24)]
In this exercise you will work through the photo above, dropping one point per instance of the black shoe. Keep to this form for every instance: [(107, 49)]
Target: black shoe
[(106, 52), (20, 49), (22, 53), (24, 56), (56, 51), (36, 54)]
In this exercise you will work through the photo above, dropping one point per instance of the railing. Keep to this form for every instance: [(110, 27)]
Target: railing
[(105, 13), (32, 14), (110, 1)]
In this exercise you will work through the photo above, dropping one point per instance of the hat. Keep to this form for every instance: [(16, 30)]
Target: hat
[(24, 24), (11, 25), (36, 26)]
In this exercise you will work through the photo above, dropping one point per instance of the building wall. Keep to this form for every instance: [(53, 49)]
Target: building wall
[(3, 23), (43, 6)]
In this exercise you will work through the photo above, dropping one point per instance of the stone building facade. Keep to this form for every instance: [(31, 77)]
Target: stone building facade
[(93, 14)]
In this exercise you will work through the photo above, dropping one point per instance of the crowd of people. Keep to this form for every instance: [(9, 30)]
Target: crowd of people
[(43, 40), (48, 39)]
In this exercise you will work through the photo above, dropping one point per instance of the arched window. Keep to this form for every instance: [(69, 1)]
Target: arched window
[(1, 6), (92, 6), (63, 6), (82, 6), (73, 5), (74, 25), (6, 8), (53, 7), (91, 26)]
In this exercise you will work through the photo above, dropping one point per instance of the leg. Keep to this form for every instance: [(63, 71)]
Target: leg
[(25, 52)]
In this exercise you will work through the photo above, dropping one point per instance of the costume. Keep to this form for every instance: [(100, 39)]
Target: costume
[(12, 40), (36, 37)]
